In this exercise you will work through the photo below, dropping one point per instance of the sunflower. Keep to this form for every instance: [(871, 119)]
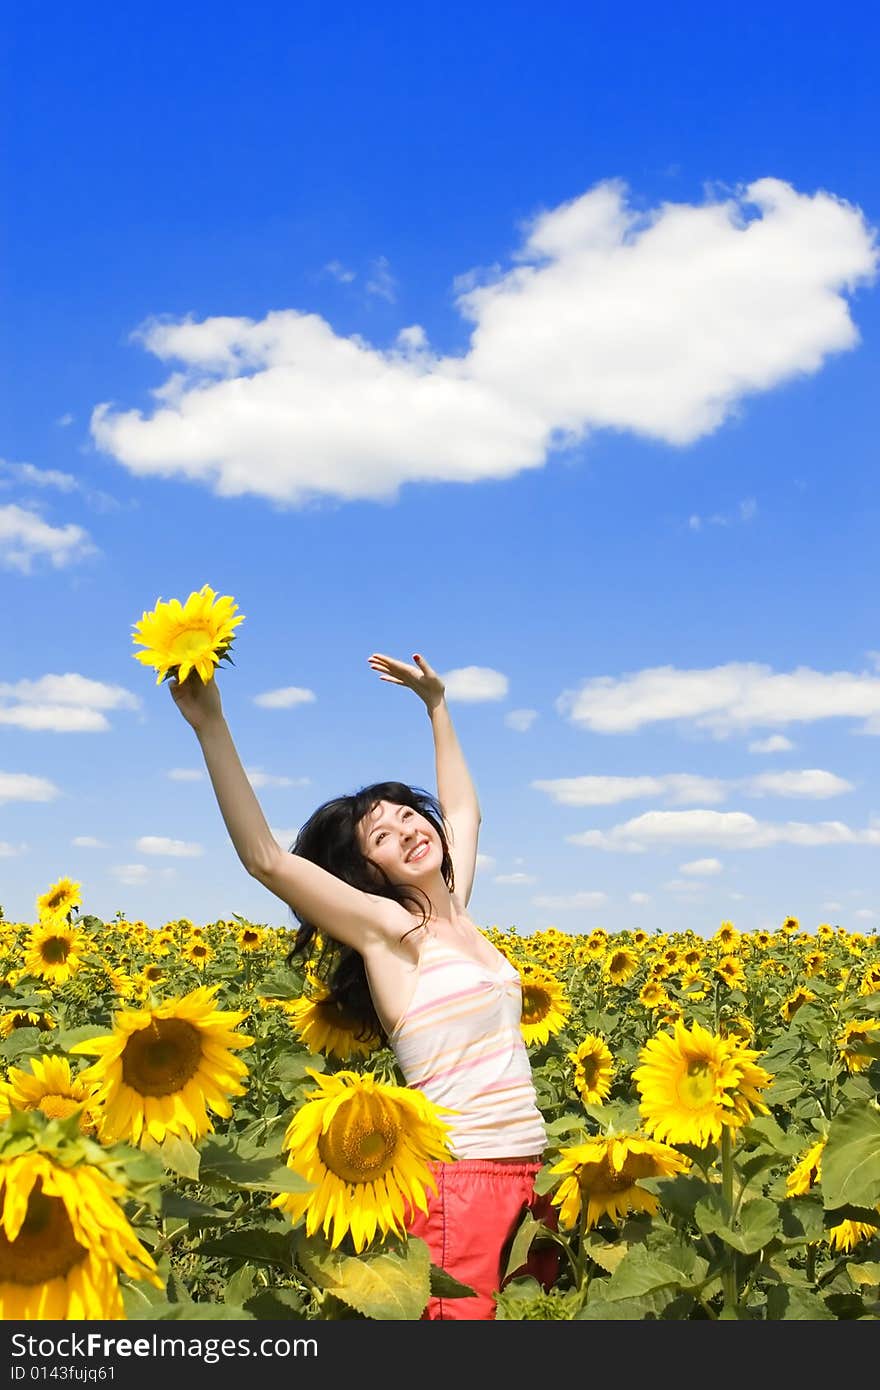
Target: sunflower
[(621, 965), (814, 963), (860, 1032), (652, 994), (325, 1025), (730, 970), (870, 980), (795, 1001), (593, 1069), (601, 1177), (250, 939), (808, 1171), (162, 1069), (197, 952), (790, 926), (194, 636), (727, 936), (50, 1087), (59, 901), (53, 951), (692, 1084), (24, 1018), (366, 1148), (692, 959), (545, 1006), (64, 1239)]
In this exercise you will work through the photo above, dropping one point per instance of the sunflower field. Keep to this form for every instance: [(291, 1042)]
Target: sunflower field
[(188, 1130)]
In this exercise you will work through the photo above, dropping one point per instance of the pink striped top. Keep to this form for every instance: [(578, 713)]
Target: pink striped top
[(460, 1043)]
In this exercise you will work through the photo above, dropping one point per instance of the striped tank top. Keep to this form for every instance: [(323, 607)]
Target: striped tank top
[(460, 1043)]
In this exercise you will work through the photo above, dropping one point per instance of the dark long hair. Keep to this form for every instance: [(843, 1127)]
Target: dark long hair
[(329, 838)]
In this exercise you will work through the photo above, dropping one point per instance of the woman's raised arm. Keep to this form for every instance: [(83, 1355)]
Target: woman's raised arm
[(455, 788), (334, 907)]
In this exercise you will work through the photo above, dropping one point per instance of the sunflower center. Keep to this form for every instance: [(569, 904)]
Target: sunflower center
[(159, 1060), (535, 1004), (56, 900), (55, 950), (153, 972), (45, 1247), (189, 642), (361, 1140), (589, 1070), (697, 1084)]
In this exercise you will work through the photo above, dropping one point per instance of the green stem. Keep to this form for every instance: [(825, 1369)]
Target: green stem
[(728, 1274)]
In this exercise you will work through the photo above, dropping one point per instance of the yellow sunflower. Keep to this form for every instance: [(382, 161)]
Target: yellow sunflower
[(59, 901), (326, 1026), (601, 1177), (652, 994), (814, 963), (621, 965), (594, 1066), (53, 951), (49, 1086), (367, 1149), (870, 980), (726, 936), (64, 1239), (795, 1001), (193, 636), (24, 1018), (730, 970), (808, 1171), (162, 1069), (197, 952), (692, 1084), (545, 1006), (859, 1032), (250, 939)]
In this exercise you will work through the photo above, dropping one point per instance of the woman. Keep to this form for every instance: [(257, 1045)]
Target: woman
[(384, 876)]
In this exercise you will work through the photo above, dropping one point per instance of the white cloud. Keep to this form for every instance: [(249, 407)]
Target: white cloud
[(8, 851), (25, 538), (381, 281), (258, 778), (484, 861), (88, 842), (186, 774), (701, 868), (640, 899), (62, 704), (729, 829), (721, 699), (515, 879), (683, 885), (745, 512), (132, 875), (565, 902), (678, 787), (865, 913), (339, 272), (286, 698), (521, 719), (776, 743), (23, 786), (810, 782), (160, 844), (39, 477), (475, 683), (656, 322)]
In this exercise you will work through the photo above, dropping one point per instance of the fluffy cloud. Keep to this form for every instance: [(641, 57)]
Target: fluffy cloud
[(565, 902), (472, 684), (656, 322), (721, 699), (160, 844), (288, 697), (729, 829), (682, 788), (521, 719), (62, 704), (25, 538), (22, 786)]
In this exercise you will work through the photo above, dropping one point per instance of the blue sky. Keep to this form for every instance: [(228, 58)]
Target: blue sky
[(546, 347)]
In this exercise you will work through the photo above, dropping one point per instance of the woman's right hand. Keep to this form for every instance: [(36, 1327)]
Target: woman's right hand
[(198, 703)]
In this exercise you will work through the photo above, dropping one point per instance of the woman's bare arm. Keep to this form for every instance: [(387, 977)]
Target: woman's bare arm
[(455, 788), (338, 910)]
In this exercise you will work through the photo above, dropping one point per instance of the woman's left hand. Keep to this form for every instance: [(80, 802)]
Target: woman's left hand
[(421, 678)]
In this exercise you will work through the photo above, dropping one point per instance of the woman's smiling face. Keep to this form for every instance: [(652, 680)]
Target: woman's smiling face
[(400, 841)]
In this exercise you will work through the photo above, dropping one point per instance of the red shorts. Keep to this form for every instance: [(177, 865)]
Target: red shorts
[(471, 1221)]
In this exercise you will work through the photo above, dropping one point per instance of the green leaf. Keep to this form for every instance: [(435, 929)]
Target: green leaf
[(221, 1163), (267, 1247), (851, 1158), (203, 1312), (758, 1222), (276, 1303), (789, 1302), (177, 1204), (66, 1038), (384, 1285), (445, 1285), (21, 1040), (865, 1273), (180, 1156), (640, 1272)]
